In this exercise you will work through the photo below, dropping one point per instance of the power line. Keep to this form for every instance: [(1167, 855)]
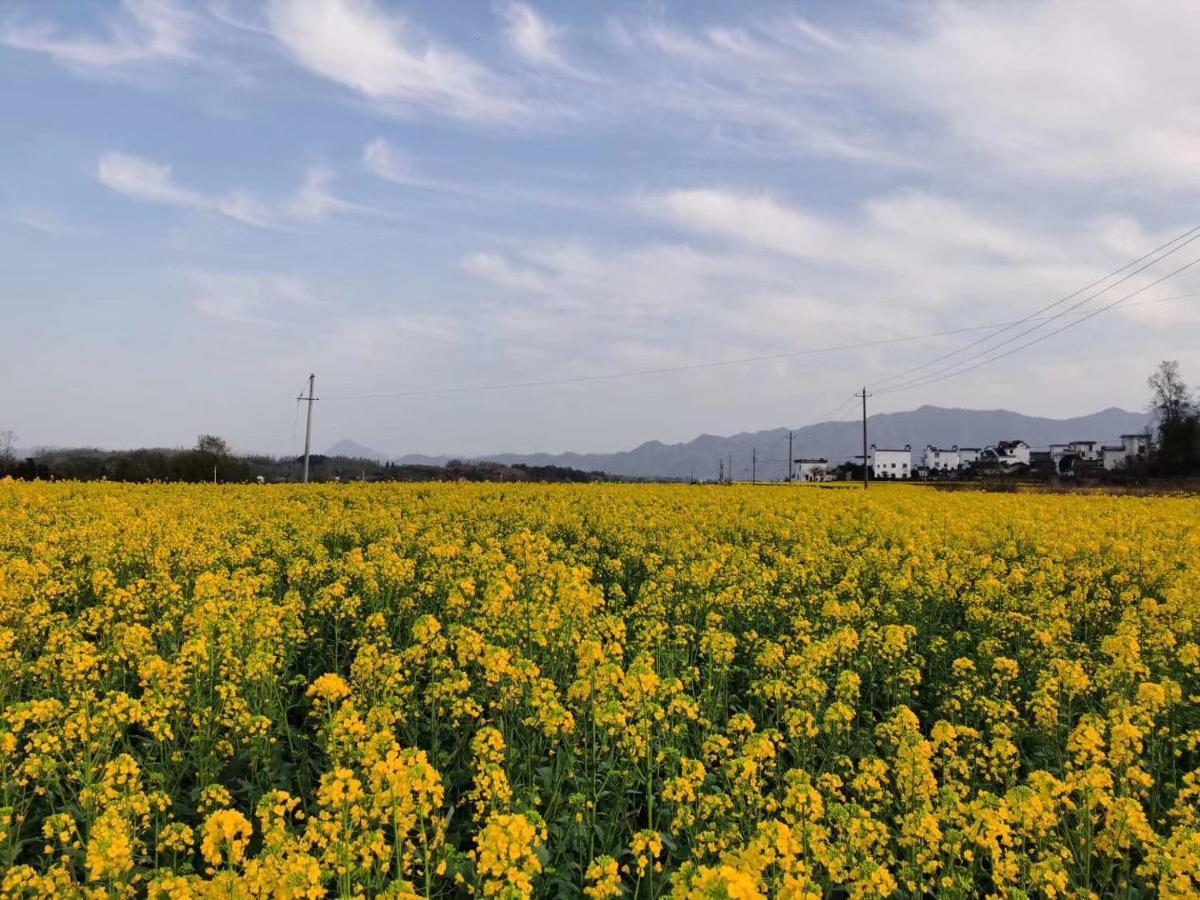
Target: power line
[(791, 354), (1186, 237), (1083, 317), (935, 377)]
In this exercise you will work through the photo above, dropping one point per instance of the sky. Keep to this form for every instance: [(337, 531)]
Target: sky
[(203, 202)]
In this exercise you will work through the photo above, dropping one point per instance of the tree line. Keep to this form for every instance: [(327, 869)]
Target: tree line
[(212, 460), (1176, 454)]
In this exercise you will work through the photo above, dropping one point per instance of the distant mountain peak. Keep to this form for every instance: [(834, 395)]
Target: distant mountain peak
[(349, 448), (836, 441)]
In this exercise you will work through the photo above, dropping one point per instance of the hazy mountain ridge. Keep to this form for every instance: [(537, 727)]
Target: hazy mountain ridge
[(837, 441)]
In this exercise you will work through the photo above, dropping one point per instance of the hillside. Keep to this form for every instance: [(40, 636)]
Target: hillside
[(698, 458)]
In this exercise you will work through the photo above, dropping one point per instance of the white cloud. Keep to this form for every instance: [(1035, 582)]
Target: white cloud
[(389, 60), (1048, 90), (904, 233), (756, 219), (146, 30), (530, 36), (41, 220), (494, 267), (314, 201), (1101, 93), (256, 299), (144, 179), (153, 182), (769, 276), (382, 160)]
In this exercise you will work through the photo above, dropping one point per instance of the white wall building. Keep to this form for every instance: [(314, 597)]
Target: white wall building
[(1007, 454), (968, 455), (887, 463), (937, 459), (816, 469), (1132, 447), (1088, 451), (1112, 456)]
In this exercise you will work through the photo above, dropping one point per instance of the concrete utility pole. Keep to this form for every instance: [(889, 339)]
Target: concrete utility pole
[(754, 465), (720, 471), (864, 396), (308, 425), (790, 461)]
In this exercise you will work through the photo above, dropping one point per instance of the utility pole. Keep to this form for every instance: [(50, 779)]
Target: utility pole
[(308, 425), (864, 396), (790, 461), (720, 471), (754, 465), (730, 470)]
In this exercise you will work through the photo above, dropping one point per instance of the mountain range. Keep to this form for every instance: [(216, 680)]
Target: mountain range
[(836, 441)]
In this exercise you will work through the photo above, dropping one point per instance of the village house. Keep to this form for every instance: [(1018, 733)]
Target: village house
[(815, 469), (1006, 454), (1088, 451), (967, 456), (1132, 447), (1063, 458), (890, 463), (937, 459)]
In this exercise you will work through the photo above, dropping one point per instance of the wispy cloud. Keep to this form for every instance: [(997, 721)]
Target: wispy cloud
[(498, 269), (1102, 95), (251, 298), (530, 36), (144, 31), (153, 182), (900, 229), (390, 60), (41, 220), (762, 273), (384, 160)]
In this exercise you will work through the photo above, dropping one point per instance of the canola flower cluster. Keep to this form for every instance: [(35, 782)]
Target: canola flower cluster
[(598, 691)]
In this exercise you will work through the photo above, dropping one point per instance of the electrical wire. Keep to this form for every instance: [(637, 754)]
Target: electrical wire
[(1186, 237), (790, 354), (935, 377), (1070, 310)]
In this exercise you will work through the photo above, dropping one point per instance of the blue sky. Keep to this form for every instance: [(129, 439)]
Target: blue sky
[(202, 202)]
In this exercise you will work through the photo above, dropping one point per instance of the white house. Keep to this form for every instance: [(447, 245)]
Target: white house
[(967, 455), (1113, 456), (1088, 451), (887, 463), (1132, 447), (1007, 454), (937, 459), (1136, 444), (815, 469), (1064, 456)]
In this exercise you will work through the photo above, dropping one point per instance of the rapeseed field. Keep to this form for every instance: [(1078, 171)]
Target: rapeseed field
[(600, 691)]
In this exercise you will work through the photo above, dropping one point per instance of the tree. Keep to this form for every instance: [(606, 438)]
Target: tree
[(213, 445), (8, 439), (1178, 422), (1172, 399)]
